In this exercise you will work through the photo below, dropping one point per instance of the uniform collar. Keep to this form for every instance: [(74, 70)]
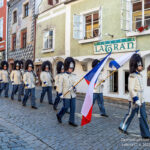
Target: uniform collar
[(68, 72)]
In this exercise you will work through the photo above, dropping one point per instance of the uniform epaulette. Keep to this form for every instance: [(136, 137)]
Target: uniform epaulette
[(133, 75)]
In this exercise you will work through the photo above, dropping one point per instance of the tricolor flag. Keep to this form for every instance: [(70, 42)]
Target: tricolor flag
[(91, 79), (117, 63)]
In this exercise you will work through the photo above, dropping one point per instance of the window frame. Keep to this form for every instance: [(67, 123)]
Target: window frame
[(136, 33), (84, 14), (1, 27), (46, 50), (24, 9), (12, 47), (22, 40), (14, 16), (1, 3)]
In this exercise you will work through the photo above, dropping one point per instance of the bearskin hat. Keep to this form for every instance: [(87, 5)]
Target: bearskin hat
[(60, 64), (95, 62), (3, 63), (27, 63), (134, 61), (67, 63), (46, 63), (16, 63)]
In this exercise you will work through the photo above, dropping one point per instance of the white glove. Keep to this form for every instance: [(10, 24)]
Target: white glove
[(70, 88), (138, 102), (61, 96)]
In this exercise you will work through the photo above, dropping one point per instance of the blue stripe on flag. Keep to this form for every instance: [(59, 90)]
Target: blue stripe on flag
[(114, 63), (90, 74)]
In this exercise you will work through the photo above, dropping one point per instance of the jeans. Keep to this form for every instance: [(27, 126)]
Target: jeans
[(22, 89), (14, 91), (68, 103), (31, 93), (142, 119), (57, 100), (49, 94), (100, 101), (4, 86)]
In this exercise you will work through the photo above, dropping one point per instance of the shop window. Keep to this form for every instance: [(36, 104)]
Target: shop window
[(24, 38), (1, 3), (48, 40), (14, 41), (114, 82), (87, 26), (1, 27), (26, 9), (126, 81), (135, 15), (148, 76), (14, 16)]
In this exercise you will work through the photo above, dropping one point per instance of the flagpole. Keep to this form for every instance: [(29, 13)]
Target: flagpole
[(73, 86), (106, 78)]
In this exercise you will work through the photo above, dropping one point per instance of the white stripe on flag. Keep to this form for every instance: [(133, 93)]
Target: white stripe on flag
[(88, 102)]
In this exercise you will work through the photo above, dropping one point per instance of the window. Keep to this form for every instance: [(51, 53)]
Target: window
[(14, 16), (92, 25), (50, 2), (53, 2), (1, 27), (148, 76), (114, 82), (126, 81), (135, 15), (14, 41), (26, 10), (48, 40), (1, 3), (87, 26), (24, 38)]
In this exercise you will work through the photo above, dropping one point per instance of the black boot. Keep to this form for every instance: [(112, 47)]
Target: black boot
[(73, 124), (58, 118)]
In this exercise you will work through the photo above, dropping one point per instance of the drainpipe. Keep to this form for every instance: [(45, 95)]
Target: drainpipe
[(6, 50)]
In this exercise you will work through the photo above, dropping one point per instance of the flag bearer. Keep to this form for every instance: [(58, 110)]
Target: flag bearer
[(46, 79), (66, 82), (4, 77), (22, 73), (60, 70), (98, 92), (29, 81), (16, 80), (136, 101)]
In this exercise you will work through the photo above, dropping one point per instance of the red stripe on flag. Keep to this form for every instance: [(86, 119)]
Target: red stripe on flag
[(88, 82), (87, 119)]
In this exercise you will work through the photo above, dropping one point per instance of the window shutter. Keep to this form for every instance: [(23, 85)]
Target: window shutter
[(78, 27), (50, 2), (1, 27), (126, 15), (100, 21)]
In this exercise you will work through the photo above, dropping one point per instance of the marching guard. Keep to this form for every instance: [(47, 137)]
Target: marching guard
[(60, 70), (46, 79), (22, 73), (136, 103), (98, 92), (16, 80), (66, 82), (29, 81), (4, 78)]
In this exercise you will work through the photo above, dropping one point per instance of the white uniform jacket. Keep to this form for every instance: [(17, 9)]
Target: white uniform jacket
[(16, 77), (100, 88), (29, 80), (66, 81), (136, 87), (57, 78), (4, 76), (46, 78)]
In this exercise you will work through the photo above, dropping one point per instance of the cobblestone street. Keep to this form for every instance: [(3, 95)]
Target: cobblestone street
[(24, 128)]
